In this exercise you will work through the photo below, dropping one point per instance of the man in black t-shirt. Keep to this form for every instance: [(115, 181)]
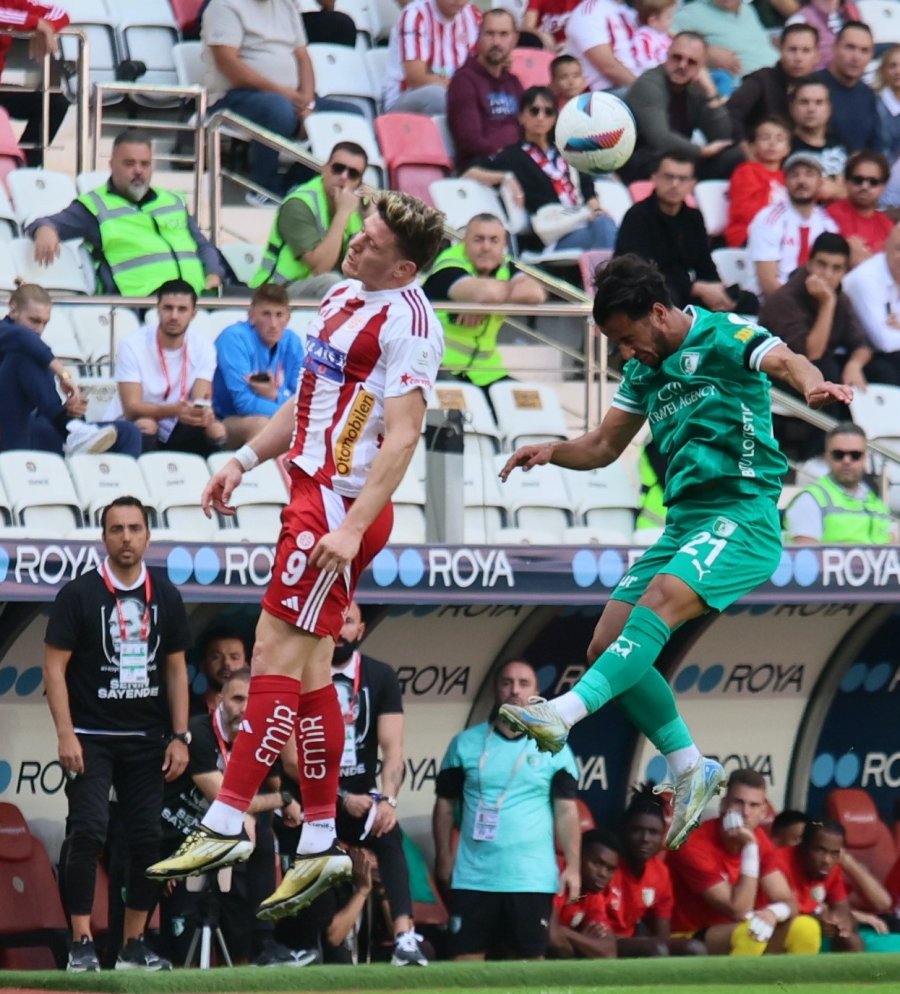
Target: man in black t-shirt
[(116, 679)]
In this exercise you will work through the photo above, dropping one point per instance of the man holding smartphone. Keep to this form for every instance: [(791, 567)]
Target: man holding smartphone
[(164, 377), (258, 362), (314, 225)]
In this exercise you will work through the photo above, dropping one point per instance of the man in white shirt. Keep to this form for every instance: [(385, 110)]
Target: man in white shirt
[(432, 39), (874, 290), (780, 237), (164, 375), (598, 34)]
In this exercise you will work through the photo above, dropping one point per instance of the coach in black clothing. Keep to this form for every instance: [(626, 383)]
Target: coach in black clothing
[(664, 230), (116, 679)]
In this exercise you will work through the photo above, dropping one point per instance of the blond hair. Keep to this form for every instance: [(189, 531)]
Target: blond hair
[(650, 8), (29, 293), (881, 82), (418, 228)]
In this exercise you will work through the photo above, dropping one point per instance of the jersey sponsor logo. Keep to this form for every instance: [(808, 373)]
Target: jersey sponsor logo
[(744, 335), (724, 527), (648, 896), (411, 380), (292, 603), (312, 747), (673, 406), (688, 362), (623, 647), (701, 572), (748, 443), (279, 731), (353, 428), (324, 360)]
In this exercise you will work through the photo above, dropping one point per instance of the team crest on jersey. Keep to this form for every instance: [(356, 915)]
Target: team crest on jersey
[(305, 541), (689, 362), (324, 360), (422, 361), (723, 527), (648, 896), (744, 335)]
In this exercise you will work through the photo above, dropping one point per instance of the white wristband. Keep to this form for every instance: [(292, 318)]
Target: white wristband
[(750, 860), (781, 910), (247, 457)]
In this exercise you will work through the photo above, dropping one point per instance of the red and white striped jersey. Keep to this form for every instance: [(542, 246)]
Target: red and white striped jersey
[(650, 48), (364, 346), (601, 22), (423, 34)]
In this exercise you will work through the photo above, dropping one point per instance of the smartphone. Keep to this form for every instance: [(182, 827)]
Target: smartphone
[(260, 377), (201, 402)]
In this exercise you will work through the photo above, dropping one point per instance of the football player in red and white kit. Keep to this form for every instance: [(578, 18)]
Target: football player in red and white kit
[(372, 356)]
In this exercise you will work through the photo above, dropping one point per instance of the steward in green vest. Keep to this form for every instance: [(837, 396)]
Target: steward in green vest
[(314, 225), (652, 471), (481, 271), (849, 520)]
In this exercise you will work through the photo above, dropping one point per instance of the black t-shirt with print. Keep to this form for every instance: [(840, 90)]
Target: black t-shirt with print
[(183, 802), (85, 620), (379, 693)]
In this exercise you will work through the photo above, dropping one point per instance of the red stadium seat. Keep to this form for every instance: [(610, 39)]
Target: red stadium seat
[(187, 16), (532, 66), (868, 838), (640, 189), (31, 912), (413, 151)]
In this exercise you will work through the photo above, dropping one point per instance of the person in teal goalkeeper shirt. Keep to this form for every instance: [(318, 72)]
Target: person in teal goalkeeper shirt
[(700, 379)]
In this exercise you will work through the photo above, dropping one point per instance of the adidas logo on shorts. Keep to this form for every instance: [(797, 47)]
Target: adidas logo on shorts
[(292, 603)]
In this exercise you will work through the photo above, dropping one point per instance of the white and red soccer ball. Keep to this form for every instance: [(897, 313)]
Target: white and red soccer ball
[(596, 132)]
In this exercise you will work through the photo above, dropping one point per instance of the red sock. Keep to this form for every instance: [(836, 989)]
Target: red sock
[(267, 727), (320, 743)]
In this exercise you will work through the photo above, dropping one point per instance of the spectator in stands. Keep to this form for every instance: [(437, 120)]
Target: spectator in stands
[(787, 828), (781, 235), (566, 78), (738, 43), (854, 113), (810, 111), (581, 927), (223, 651), (313, 227), (508, 798), (116, 680), (34, 417), (652, 40), (765, 92), (164, 375), (257, 65), (598, 34), (478, 270), (827, 17), (640, 899), (185, 801), (43, 20), (138, 236), (547, 20), (328, 26), (874, 290), (258, 362), (759, 182), (864, 226), (887, 86), (669, 104), (663, 229), (483, 95), (538, 175), (729, 885), (428, 44), (812, 316), (840, 507)]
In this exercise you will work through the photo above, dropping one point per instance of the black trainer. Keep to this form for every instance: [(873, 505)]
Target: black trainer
[(82, 957), (137, 955), (276, 954)]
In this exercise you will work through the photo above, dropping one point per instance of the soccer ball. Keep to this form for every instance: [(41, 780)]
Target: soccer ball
[(596, 132)]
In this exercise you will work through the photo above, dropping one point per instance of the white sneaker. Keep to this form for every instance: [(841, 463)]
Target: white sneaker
[(83, 437)]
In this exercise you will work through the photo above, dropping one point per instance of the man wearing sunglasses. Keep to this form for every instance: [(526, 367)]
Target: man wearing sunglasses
[(314, 225), (864, 227), (841, 507)]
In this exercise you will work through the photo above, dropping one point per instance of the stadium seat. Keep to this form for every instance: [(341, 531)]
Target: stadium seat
[(100, 478), (325, 129), (446, 135), (877, 411), (31, 912), (712, 201), (337, 72), (527, 413), (40, 490), (376, 61), (259, 498), (91, 179), (95, 19), (614, 198), (462, 199), (640, 189), (244, 258), (384, 14), (734, 266), (224, 317), (60, 336), (187, 16), (481, 432), (883, 18), (147, 32), (176, 481), (526, 536), (9, 224), (202, 322), (868, 838), (607, 498), (409, 525), (538, 499), (587, 265), (414, 152), (593, 535), (65, 274), (484, 506), (39, 192), (100, 329), (187, 57), (531, 66)]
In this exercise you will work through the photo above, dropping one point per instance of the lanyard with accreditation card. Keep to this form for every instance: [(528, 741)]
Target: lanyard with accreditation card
[(487, 816), (183, 388), (133, 653), (348, 757)]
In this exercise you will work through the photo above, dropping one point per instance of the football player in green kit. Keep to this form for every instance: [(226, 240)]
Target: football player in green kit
[(701, 380)]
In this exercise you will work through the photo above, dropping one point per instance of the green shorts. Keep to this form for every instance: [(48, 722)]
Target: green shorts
[(720, 549)]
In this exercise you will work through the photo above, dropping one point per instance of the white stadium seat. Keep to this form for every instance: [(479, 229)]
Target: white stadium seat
[(539, 498), (735, 266), (462, 199), (527, 413), (337, 72), (526, 536), (244, 258), (326, 128), (712, 201), (480, 429), (38, 192), (40, 490), (259, 498), (100, 478), (614, 198), (484, 505), (175, 481), (607, 498), (65, 274), (147, 32), (100, 328)]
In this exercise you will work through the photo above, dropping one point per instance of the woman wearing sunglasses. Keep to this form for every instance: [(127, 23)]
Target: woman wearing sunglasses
[(536, 174)]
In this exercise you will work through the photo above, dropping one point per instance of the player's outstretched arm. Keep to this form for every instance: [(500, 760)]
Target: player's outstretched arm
[(598, 447), (796, 370)]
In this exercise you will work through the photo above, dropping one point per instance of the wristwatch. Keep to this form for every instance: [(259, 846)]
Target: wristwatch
[(390, 800), (287, 798), (184, 737)]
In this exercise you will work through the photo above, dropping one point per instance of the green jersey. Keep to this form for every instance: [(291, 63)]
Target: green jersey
[(709, 410)]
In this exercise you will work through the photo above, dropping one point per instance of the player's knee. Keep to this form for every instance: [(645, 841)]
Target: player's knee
[(804, 936), (743, 943), (85, 844)]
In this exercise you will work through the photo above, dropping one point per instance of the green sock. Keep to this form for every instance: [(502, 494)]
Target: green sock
[(626, 661), (650, 705)]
